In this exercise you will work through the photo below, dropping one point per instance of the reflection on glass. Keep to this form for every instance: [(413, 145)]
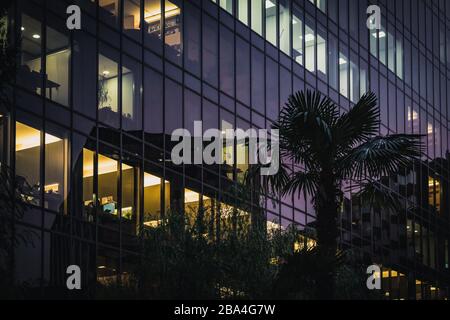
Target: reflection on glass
[(108, 170), (333, 61), (321, 55), (310, 42), (152, 199), (354, 82), (399, 57), (343, 75), (257, 15), (434, 193), (107, 91), (242, 160), (271, 21), (28, 155), (56, 176), (130, 199), (285, 27), (152, 23), (109, 11), (227, 5), (131, 96), (57, 67), (242, 11), (132, 18), (191, 205), (382, 37), (391, 52), (297, 35), (88, 184), (29, 74), (173, 29)]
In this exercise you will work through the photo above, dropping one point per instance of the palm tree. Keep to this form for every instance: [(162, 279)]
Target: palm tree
[(321, 149)]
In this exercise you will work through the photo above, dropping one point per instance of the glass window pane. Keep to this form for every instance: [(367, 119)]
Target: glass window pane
[(153, 107), (130, 196), (310, 41), (56, 160), (131, 96), (173, 30), (132, 18), (192, 39), (29, 75), (83, 179), (322, 5), (242, 11), (333, 61), (152, 199), (84, 74), (399, 56), (285, 27), (271, 21), (152, 24), (108, 86), (226, 61), (343, 74), (382, 37), (297, 35), (227, 5), (321, 52), (57, 62), (257, 15), (28, 159), (108, 174), (374, 43), (242, 71), (354, 81), (210, 51), (391, 52), (109, 11)]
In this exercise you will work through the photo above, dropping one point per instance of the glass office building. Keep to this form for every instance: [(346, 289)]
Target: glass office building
[(89, 139)]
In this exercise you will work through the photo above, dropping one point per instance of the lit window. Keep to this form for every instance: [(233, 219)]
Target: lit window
[(227, 5), (271, 21), (242, 11), (108, 85), (321, 55), (297, 35), (343, 75), (434, 193), (285, 27), (152, 199), (257, 15), (132, 18), (310, 42), (28, 149), (173, 30)]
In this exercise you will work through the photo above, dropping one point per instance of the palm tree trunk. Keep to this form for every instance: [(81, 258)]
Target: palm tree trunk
[(327, 206)]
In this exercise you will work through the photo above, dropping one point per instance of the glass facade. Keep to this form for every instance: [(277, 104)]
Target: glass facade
[(89, 134)]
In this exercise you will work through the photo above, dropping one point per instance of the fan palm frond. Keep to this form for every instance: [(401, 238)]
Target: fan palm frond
[(358, 124), (380, 156)]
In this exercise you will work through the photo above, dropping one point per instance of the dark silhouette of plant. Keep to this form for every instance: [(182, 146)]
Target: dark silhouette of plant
[(321, 149), (12, 191)]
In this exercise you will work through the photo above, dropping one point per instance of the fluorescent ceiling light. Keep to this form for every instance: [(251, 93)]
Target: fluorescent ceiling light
[(342, 61), (269, 4), (309, 37), (36, 36), (151, 180), (191, 196)]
